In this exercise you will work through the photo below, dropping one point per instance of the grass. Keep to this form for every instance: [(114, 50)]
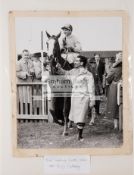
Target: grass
[(49, 135)]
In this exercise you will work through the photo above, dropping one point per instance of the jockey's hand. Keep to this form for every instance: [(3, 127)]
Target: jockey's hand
[(58, 65), (92, 103), (60, 71)]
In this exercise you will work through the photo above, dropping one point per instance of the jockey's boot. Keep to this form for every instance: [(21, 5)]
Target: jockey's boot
[(80, 131)]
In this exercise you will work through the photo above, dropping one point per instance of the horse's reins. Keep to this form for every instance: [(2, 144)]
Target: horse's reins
[(64, 43), (65, 59)]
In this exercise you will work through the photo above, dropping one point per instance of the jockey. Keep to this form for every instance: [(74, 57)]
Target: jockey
[(70, 46)]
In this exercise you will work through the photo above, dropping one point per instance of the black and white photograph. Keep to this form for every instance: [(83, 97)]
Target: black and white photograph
[(68, 79)]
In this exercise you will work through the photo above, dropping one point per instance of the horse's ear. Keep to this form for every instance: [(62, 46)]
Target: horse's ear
[(58, 35), (48, 35)]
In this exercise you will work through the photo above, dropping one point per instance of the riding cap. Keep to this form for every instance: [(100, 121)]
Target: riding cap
[(68, 27)]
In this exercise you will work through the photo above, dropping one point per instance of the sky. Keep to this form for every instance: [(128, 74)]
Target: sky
[(94, 33)]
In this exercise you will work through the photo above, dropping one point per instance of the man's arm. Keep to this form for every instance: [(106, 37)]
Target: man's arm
[(60, 70)]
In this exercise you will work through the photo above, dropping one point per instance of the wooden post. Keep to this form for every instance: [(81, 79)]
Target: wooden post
[(42, 68)]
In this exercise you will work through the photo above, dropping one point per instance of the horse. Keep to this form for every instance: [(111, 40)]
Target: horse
[(60, 105)]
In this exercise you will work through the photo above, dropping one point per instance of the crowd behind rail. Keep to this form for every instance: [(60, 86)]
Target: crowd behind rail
[(105, 83)]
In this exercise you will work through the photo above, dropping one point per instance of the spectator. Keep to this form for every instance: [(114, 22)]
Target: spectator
[(25, 68), (108, 65), (97, 68), (98, 87), (113, 78), (37, 89), (37, 67), (25, 73)]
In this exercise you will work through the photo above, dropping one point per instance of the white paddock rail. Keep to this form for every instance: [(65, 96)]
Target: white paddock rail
[(32, 100)]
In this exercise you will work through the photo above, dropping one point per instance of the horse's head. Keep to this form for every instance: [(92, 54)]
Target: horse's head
[(53, 47)]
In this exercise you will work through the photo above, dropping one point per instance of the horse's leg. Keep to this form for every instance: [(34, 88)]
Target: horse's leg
[(59, 108), (65, 132), (66, 111), (53, 110)]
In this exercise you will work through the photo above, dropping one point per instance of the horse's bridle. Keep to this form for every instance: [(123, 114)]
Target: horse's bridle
[(65, 58)]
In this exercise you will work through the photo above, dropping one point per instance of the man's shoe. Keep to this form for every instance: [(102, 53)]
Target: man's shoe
[(59, 122), (80, 138)]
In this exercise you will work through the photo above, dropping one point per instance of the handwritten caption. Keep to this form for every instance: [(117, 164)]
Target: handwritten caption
[(67, 164)]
